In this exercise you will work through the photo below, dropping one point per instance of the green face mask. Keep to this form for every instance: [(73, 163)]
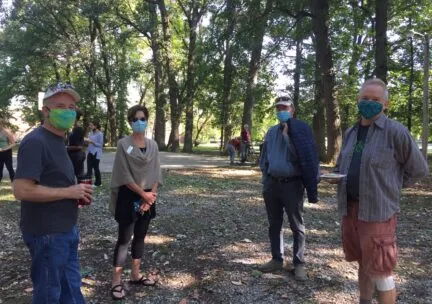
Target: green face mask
[(62, 119)]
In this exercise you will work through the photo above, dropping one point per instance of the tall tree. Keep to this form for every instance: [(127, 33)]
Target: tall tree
[(228, 73), (320, 10), (173, 87), (193, 14), (381, 11), (159, 134), (258, 21)]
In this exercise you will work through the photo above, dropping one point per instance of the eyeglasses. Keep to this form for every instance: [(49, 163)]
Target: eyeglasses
[(136, 119)]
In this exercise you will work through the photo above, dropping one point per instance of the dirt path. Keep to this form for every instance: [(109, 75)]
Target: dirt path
[(208, 237)]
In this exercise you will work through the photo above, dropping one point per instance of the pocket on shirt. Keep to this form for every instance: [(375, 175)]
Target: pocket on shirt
[(383, 158)]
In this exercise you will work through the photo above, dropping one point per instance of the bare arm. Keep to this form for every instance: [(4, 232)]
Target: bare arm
[(29, 190), (11, 137), (11, 140)]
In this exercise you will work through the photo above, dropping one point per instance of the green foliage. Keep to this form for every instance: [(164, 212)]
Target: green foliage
[(42, 42)]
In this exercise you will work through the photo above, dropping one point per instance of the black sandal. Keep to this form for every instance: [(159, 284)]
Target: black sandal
[(116, 289), (143, 281)]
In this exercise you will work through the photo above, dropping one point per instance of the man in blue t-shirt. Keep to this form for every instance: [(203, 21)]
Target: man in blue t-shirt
[(46, 185)]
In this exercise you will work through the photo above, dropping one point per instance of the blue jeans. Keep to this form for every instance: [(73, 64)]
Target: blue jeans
[(55, 267)]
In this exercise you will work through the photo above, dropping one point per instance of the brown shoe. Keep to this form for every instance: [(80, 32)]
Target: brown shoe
[(300, 273)]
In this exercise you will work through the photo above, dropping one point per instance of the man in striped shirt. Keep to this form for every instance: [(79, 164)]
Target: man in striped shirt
[(378, 157)]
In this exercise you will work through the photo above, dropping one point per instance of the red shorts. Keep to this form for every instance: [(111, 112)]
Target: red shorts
[(372, 244)]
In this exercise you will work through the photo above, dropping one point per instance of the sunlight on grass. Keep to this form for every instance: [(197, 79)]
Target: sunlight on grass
[(180, 280), (159, 239), (88, 291), (317, 232), (329, 205), (6, 193)]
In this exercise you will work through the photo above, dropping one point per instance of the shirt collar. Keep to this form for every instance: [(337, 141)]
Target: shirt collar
[(380, 121)]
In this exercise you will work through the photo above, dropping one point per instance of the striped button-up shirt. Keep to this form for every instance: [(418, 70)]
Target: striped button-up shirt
[(391, 160)]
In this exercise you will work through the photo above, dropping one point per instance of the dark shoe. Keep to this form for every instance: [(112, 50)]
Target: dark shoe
[(300, 273), (271, 266), (117, 289)]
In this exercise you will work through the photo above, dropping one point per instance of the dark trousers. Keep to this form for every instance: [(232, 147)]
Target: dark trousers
[(289, 196), (139, 230), (77, 158), (93, 165), (55, 270), (6, 159)]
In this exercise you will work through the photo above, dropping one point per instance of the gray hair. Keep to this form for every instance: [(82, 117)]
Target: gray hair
[(377, 82)]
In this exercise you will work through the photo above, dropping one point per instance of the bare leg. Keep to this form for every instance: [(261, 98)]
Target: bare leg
[(387, 297), (135, 272), (366, 286), (116, 280)]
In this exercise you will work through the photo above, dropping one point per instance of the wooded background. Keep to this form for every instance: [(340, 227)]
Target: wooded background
[(211, 66)]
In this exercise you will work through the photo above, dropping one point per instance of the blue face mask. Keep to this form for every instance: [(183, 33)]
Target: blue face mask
[(139, 126), (369, 108), (283, 116)]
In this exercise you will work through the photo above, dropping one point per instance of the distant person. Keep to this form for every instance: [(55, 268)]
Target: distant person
[(7, 142), (379, 157), (94, 152), (289, 164), (76, 146), (46, 185), (136, 177), (245, 142), (231, 149)]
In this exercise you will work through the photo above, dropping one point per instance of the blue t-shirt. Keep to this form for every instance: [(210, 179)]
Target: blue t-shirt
[(42, 157)]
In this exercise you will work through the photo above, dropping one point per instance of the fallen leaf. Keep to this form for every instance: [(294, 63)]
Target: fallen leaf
[(256, 273), (237, 283)]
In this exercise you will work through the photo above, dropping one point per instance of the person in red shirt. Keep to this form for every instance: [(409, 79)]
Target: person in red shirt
[(245, 142)]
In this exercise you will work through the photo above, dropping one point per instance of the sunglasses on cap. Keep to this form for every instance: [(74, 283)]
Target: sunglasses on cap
[(61, 86), (136, 119)]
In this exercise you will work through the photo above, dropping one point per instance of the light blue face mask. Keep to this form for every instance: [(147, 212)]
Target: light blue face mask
[(139, 126), (283, 116)]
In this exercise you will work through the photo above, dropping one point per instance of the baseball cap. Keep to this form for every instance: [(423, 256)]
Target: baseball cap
[(284, 101), (62, 88)]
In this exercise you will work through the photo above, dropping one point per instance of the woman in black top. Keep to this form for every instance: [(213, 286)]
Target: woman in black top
[(75, 146)]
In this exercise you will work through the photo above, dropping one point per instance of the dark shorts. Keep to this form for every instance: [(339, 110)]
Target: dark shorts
[(372, 244)]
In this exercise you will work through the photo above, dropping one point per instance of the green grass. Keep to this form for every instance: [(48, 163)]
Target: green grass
[(6, 194)]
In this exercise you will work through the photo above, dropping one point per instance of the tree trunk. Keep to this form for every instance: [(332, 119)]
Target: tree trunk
[(159, 135), (175, 106), (318, 121), (381, 7), (230, 12), (106, 85), (297, 71), (426, 70), (194, 17), (320, 10), (190, 89), (112, 120), (411, 80), (259, 25)]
